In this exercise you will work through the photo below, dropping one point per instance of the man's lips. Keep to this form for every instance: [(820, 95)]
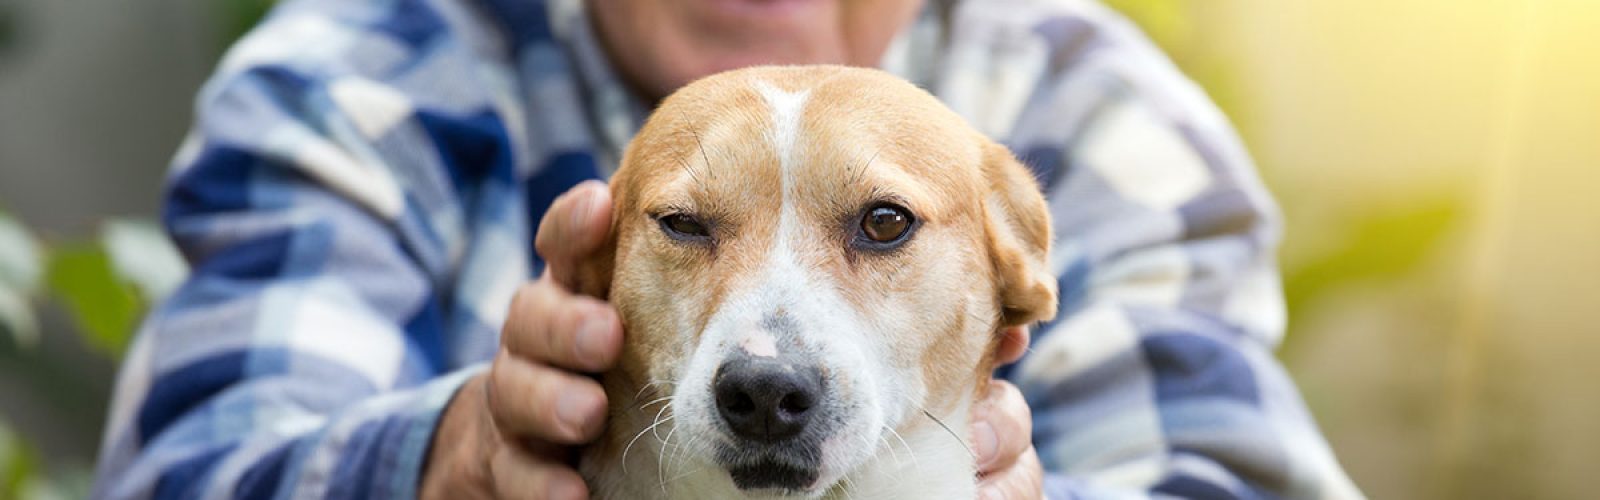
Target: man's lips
[(758, 10)]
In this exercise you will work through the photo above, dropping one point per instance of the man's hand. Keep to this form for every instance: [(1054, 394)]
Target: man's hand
[(1001, 434), (511, 432)]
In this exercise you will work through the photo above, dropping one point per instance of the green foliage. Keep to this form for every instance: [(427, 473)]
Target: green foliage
[(104, 307), (105, 283)]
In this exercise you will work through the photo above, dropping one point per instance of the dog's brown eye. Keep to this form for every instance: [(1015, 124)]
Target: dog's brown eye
[(885, 224), (683, 227)]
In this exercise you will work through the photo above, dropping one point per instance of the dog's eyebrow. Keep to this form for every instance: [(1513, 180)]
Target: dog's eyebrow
[(703, 157), (856, 177), (689, 127), (689, 169)]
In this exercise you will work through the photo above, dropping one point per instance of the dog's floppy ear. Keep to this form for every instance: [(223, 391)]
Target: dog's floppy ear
[(1017, 223)]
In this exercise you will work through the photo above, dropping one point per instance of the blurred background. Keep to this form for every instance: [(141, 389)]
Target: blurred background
[(1438, 162)]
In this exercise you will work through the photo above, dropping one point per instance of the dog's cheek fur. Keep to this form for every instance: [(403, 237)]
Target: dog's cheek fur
[(958, 343)]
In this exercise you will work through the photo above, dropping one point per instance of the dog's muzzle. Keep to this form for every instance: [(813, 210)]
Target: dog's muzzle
[(774, 409)]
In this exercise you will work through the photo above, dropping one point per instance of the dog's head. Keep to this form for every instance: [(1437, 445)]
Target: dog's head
[(809, 260)]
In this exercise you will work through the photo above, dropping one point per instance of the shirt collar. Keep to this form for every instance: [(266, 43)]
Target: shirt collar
[(615, 112)]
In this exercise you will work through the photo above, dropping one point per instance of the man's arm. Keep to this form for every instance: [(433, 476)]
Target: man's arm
[(307, 356), (1157, 379)]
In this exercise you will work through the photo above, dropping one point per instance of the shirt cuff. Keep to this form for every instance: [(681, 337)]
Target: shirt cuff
[(402, 458)]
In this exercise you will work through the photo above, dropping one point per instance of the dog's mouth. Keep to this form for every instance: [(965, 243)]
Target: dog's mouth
[(789, 470), (773, 475)]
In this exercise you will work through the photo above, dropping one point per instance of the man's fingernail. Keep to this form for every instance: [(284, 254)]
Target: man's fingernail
[(581, 209), (984, 442), (991, 494), (591, 345), (575, 408)]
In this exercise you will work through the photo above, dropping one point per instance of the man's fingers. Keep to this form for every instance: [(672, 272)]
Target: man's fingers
[(574, 226), (1013, 344), (520, 474), (532, 400), (1024, 480), (550, 325), (1001, 428)]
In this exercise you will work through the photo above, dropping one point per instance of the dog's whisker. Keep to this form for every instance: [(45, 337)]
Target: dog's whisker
[(847, 487), (682, 451), (647, 385), (674, 452), (635, 439), (884, 444), (889, 446), (664, 457), (654, 401), (685, 474), (915, 462), (952, 432), (664, 409)]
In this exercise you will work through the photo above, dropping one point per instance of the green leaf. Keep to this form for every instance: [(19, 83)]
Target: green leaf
[(104, 307)]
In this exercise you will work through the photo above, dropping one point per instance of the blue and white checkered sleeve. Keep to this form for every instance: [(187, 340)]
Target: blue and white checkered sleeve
[(307, 355), (1157, 379)]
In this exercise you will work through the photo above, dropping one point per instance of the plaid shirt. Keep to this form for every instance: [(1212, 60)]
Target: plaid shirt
[(359, 194)]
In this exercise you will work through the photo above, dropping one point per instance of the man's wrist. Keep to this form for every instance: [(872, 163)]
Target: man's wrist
[(456, 466)]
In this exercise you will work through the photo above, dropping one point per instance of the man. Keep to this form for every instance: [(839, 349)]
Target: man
[(370, 184)]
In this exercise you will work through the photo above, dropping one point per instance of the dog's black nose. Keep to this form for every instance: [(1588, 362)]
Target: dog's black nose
[(766, 400)]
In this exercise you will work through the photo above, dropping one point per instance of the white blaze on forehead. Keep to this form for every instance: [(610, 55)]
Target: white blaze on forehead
[(760, 344), (785, 122), (786, 112)]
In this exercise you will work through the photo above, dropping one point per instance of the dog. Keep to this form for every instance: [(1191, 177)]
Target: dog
[(812, 265)]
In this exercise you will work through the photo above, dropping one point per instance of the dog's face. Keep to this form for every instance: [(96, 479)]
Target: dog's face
[(809, 262)]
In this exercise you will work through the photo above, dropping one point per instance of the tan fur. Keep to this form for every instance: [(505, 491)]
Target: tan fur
[(975, 265)]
